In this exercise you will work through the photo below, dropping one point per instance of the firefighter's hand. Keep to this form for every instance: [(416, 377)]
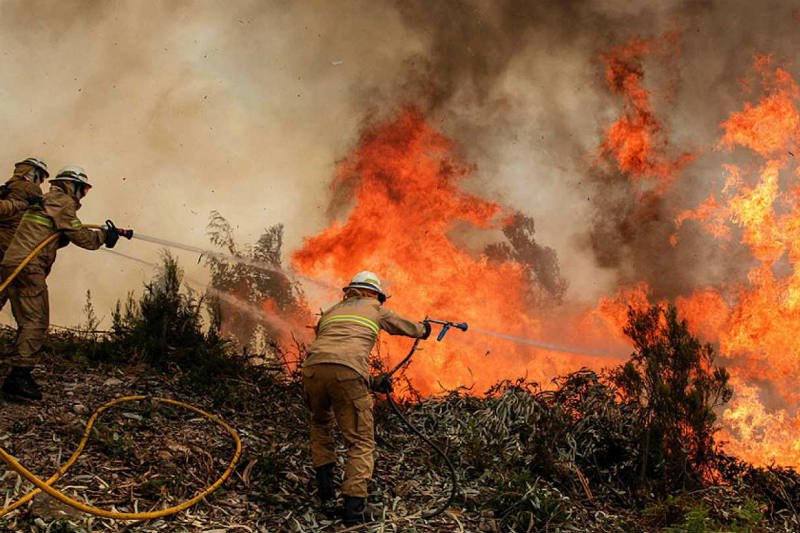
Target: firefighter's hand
[(33, 200), (427, 326), (382, 383), (111, 237)]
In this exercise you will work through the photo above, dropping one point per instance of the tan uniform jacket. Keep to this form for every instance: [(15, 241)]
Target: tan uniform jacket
[(39, 223), (18, 189), (347, 332)]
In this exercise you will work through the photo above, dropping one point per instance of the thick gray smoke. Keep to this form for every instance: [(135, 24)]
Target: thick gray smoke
[(522, 86), (178, 108)]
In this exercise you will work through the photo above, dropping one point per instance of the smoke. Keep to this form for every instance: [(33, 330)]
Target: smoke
[(179, 108), (522, 87)]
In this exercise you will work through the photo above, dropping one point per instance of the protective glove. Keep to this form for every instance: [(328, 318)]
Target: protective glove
[(34, 200), (127, 233), (111, 234), (382, 383), (111, 238), (427, 326)]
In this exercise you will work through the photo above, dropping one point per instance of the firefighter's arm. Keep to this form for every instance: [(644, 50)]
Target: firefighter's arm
[(91, 239), (72, 228), (394, 324), (9, 208)]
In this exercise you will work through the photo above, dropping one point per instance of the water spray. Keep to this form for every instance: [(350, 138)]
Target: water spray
[(544, 345), (260, 265), (255, 312), (446, 325)]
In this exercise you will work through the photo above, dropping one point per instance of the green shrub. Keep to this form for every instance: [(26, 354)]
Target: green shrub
[(164, 327)]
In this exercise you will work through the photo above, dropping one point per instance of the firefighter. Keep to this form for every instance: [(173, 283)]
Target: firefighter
[(336, 381), (25, 188), (28, 291)]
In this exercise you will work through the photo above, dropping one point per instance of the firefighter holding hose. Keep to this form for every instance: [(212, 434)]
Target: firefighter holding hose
[(336, 381), (28, 291)]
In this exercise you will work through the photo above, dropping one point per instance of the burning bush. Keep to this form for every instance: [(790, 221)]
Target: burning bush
[(673, 386), (254, 301)]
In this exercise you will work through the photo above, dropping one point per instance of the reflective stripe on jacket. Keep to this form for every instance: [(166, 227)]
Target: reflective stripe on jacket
[(39, 223), (347, 332)]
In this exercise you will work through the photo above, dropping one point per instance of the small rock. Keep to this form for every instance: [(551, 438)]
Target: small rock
[(80, 409), (110, 382)]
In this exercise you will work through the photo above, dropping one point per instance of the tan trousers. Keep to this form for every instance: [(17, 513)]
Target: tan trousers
[(31, 308), (339, 392)]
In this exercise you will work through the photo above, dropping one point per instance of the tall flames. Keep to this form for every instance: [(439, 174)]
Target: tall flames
[(410, 218), (637, 142), (759, 332), (405, 182)]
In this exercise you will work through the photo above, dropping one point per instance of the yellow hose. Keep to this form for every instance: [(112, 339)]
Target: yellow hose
[(45, 486)]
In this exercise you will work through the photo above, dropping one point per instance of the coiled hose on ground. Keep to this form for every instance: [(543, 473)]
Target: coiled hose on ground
[(46, 486)]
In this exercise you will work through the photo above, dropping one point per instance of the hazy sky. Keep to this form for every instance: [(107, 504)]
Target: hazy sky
[(178, 108)]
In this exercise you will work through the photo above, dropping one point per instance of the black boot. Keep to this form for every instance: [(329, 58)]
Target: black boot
[(20, 385), (355, 511), (325, 490)]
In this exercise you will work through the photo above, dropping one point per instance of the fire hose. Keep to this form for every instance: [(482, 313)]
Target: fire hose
[(387, 390), (46, 486)]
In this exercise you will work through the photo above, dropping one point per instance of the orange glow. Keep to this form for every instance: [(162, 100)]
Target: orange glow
[(403, 188), (405, 179), (637, 141), (760, 333)]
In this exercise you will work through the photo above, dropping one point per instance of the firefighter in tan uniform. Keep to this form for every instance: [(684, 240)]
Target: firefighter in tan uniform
[(336, 381), (28, 291), (25, 188)]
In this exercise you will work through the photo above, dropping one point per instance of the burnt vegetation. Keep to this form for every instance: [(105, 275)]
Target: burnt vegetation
[(541, 262), (628, 449)]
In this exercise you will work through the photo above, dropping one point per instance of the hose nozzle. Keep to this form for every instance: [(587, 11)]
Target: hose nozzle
[(446, 325), (127, 233)]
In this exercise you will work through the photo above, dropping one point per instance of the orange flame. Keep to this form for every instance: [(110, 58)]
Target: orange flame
[(405, 180), (637, 141), (759, 334)]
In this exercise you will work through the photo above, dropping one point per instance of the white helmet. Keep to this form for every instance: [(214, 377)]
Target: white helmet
[(37, 163), (74, 174), (369, 281)]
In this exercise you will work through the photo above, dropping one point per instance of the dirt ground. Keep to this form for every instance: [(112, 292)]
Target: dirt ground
[(144, 456)]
